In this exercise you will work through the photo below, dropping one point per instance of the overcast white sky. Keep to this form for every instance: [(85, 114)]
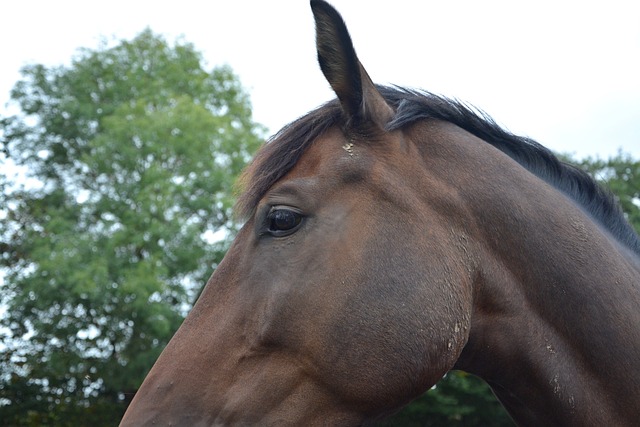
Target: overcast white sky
[(566, 73)]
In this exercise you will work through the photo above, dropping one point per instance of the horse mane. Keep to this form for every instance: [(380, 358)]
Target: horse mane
[(283, 150)]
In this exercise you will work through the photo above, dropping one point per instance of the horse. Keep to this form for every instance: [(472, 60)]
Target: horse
[(390, 236)]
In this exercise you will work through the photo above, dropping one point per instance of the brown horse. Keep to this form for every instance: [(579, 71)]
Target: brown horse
[(390, 236)]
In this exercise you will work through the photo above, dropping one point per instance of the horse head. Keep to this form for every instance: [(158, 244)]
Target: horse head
[(383, 246)]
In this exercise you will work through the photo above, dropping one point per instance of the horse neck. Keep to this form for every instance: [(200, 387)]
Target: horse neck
[(556, 320), (557, 348)]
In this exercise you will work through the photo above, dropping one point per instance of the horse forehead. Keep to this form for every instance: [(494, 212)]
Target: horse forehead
[(333, 155)]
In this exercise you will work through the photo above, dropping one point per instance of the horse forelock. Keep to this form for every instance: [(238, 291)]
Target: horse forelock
[(281, 153)]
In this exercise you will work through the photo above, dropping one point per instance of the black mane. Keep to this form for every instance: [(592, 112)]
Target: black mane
[(284, 149)]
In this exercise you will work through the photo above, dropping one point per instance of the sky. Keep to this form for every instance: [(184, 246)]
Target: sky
[(565, 73)]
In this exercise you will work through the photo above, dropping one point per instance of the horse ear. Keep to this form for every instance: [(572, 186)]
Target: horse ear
[(360, 100)]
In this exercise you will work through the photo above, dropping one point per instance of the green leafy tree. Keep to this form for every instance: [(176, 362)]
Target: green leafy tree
[(131, 153), (459, 399), (621, 174)]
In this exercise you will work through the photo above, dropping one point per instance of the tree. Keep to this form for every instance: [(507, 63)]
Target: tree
[(131, 154), (459, 399), (621, 174)]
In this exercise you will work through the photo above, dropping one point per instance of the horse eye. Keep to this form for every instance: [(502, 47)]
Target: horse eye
[(283, 221)]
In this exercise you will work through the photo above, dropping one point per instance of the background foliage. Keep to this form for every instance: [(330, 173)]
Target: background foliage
[(131, 153)]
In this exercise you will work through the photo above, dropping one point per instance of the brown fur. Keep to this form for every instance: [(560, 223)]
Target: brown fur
[(421, 248)]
